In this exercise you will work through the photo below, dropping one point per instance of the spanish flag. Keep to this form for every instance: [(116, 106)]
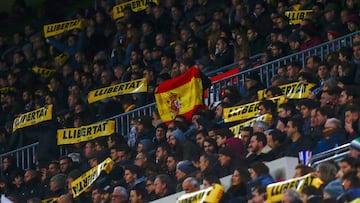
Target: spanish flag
[(182, 95)]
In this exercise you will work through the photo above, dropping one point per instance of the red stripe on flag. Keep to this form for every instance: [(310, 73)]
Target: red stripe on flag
[(168, 85)]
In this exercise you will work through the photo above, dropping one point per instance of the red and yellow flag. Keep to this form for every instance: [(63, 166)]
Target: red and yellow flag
[(182, 95)]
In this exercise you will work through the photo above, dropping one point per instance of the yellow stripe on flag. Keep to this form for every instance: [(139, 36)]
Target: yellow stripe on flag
[(179, 100)]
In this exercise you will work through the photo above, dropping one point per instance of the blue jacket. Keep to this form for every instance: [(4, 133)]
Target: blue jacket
[(335, 139)]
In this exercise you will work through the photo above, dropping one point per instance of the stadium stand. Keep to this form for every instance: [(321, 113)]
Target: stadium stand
[(83, 120)]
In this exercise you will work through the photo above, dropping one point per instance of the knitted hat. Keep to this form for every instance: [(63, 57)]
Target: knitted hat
[(355, 144), (59, 179), (179, 135), (186, 167), (334, 188), (147, 144)]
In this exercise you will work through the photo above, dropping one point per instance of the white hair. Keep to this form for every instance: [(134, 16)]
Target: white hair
[(122, 190)]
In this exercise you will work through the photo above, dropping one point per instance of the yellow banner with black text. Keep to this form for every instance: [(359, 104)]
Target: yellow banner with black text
[(212, 194), (295, 90), (134, 5), (274, 192), (43, 72), (33, 117), (134, 86), (295, 17), (51, 30), (85, 133), (247, 111), (236, 129), (82, 183)]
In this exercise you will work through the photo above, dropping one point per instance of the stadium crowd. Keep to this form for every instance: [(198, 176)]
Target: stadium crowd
[(162, 42)]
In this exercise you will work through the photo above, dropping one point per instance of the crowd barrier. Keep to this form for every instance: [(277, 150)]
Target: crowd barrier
[(265, 71)]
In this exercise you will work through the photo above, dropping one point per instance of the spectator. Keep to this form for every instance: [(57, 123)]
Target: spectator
[(257, 148), (355, 148), (227, 161), (297, 142), (351, 121), (208, 165), (351, 187), (262, 21), (276, 141), (333, 136), (32, 185), (301, 170), (347, 164), (184, 170), (252, 85), (66, 164), (163, 186), (238, 190), (256, 42), (137, 195), (190, 185), (258, 194), (311, 194), (308, 36), (224, 54), (210, 146), (260, 176), (119, 195), (291, 196), (162, 153), (57, 186)]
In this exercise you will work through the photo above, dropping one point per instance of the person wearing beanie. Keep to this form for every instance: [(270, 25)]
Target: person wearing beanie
[(145, 145), (353, 22), (252, 85), (56, 186), (333, 189), (184, 169), (160, 136), (144, 129), (178, 143), (351, 184), (355, 148)]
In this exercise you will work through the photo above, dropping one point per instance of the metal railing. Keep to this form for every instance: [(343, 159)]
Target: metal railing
[(335, 154), (265, 71), (25, 157), (252, 59)]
